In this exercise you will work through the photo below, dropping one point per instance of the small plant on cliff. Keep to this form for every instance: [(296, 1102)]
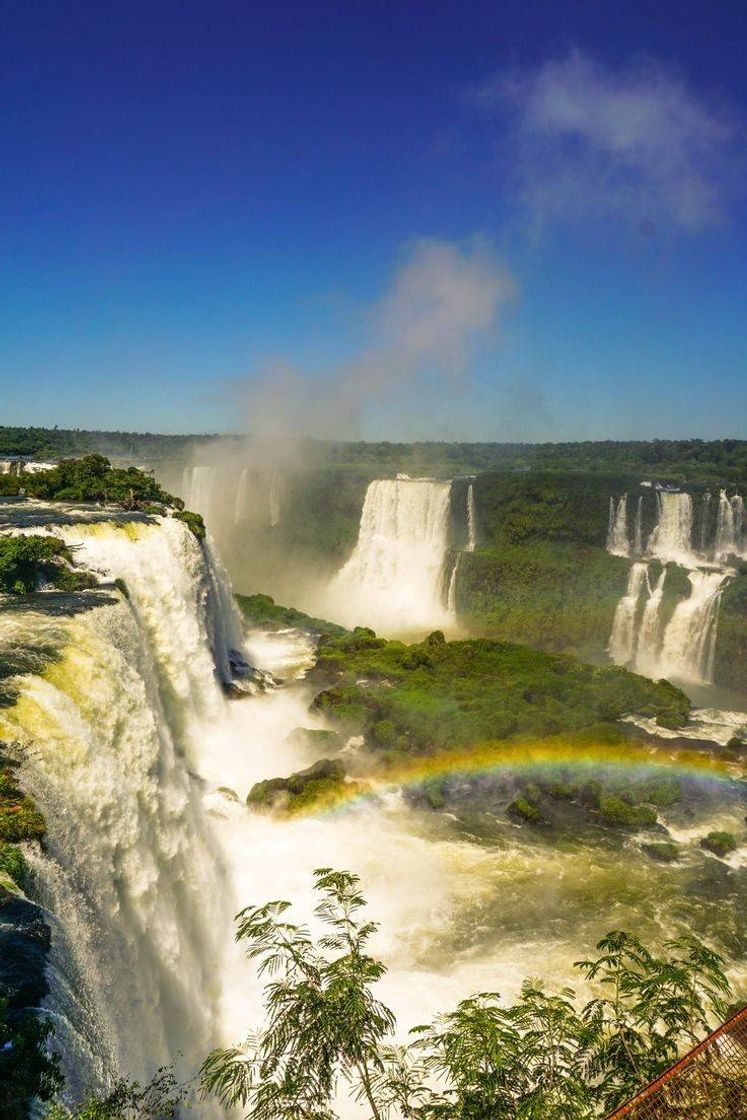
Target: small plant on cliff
[(546, 1057)]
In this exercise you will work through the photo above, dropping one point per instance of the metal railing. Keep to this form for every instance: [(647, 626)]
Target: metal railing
[(709, 1083)]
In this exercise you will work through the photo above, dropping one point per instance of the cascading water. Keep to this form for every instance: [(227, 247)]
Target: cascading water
[(649, 634), (671, 540), (394, 579), (617, 531), (638, 538), (622, 646), (690, 638), (729, 527), (240, 506), (684, 648), (132, 878), (471, 519)]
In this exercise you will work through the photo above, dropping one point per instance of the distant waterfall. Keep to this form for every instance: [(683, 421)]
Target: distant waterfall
[(240, 510), (622, 645), (729, 527), (638, 539), (617, 531), (704, 520), (274, 499), (672, 537), (690, 640), (139, 900), (198, 488), (471, 519), (395, 576)]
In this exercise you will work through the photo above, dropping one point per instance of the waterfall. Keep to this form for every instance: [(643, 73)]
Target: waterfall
[(649, 633), (729, 527), (622, 646), (672, 537), (394, 578), (690, 639), (274, 499), (451, 596), (198, 488), (471, 519), (638, 539), (240, 510), (139, 902), (617, 531), (705, 515)]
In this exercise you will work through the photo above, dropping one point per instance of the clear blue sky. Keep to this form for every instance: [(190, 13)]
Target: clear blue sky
[(192, 190)]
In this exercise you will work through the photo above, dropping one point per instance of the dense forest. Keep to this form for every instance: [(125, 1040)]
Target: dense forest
[(692, 460)]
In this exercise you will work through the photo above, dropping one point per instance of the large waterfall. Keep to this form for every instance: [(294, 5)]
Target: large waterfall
[(135, 887), (682, 645), (395, 578)]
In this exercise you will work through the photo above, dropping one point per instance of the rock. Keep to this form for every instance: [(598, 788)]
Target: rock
[(719, 843), (665, 852)]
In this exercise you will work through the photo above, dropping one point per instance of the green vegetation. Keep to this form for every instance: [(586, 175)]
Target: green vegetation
[(525, 811), (27, 561), (161, 1099), (547, 1057), (676, 460), (263, 611), (93, 479), (193, 521), (616, 811), (664, 852), (26, 1068), (318, 785), (720, 843), (19, 818), (435, 695), (731, 644), (560, 597)]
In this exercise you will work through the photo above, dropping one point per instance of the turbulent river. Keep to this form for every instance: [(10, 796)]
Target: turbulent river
[(140, 758)]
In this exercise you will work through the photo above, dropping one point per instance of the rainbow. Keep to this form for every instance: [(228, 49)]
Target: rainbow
[(552, 756)]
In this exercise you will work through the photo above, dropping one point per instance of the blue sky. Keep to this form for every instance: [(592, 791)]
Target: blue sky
[(198, 198)]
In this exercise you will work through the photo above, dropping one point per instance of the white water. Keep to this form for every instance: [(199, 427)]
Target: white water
[(672, 537), (622, 645), (394, 579), (650, 632), (684, 647), (134, 881), (132, 751), (471, 519), (617, 530), (690, 640)]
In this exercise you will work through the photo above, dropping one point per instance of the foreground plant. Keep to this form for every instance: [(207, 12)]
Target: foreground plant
[(546, 1057)]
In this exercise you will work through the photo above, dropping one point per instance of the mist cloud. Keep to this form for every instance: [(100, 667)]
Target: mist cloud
[(442, 306), (635, 144)]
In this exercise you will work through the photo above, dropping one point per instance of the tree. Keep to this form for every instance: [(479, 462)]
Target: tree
[(546, 1057)]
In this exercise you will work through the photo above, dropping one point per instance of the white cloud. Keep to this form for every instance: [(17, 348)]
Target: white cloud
[(443, 303), (635, 144)]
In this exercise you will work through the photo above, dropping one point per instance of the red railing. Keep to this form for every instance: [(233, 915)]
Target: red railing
[(709, 1083)]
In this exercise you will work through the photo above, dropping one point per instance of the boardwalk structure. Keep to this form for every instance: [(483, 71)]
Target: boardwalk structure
[(709, 1083)]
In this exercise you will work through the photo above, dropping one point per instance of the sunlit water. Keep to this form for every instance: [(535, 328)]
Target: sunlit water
[(142, 764)]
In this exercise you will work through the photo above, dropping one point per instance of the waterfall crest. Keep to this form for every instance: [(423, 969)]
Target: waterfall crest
[(395, 576)]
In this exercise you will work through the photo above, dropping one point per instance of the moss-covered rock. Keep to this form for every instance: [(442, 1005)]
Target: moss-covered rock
[(319, 784), (719, 843), (664, 852), (525, 811), (615, 811)]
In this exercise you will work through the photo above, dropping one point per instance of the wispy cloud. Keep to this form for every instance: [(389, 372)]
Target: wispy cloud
[(635, 144), (444, 301)]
